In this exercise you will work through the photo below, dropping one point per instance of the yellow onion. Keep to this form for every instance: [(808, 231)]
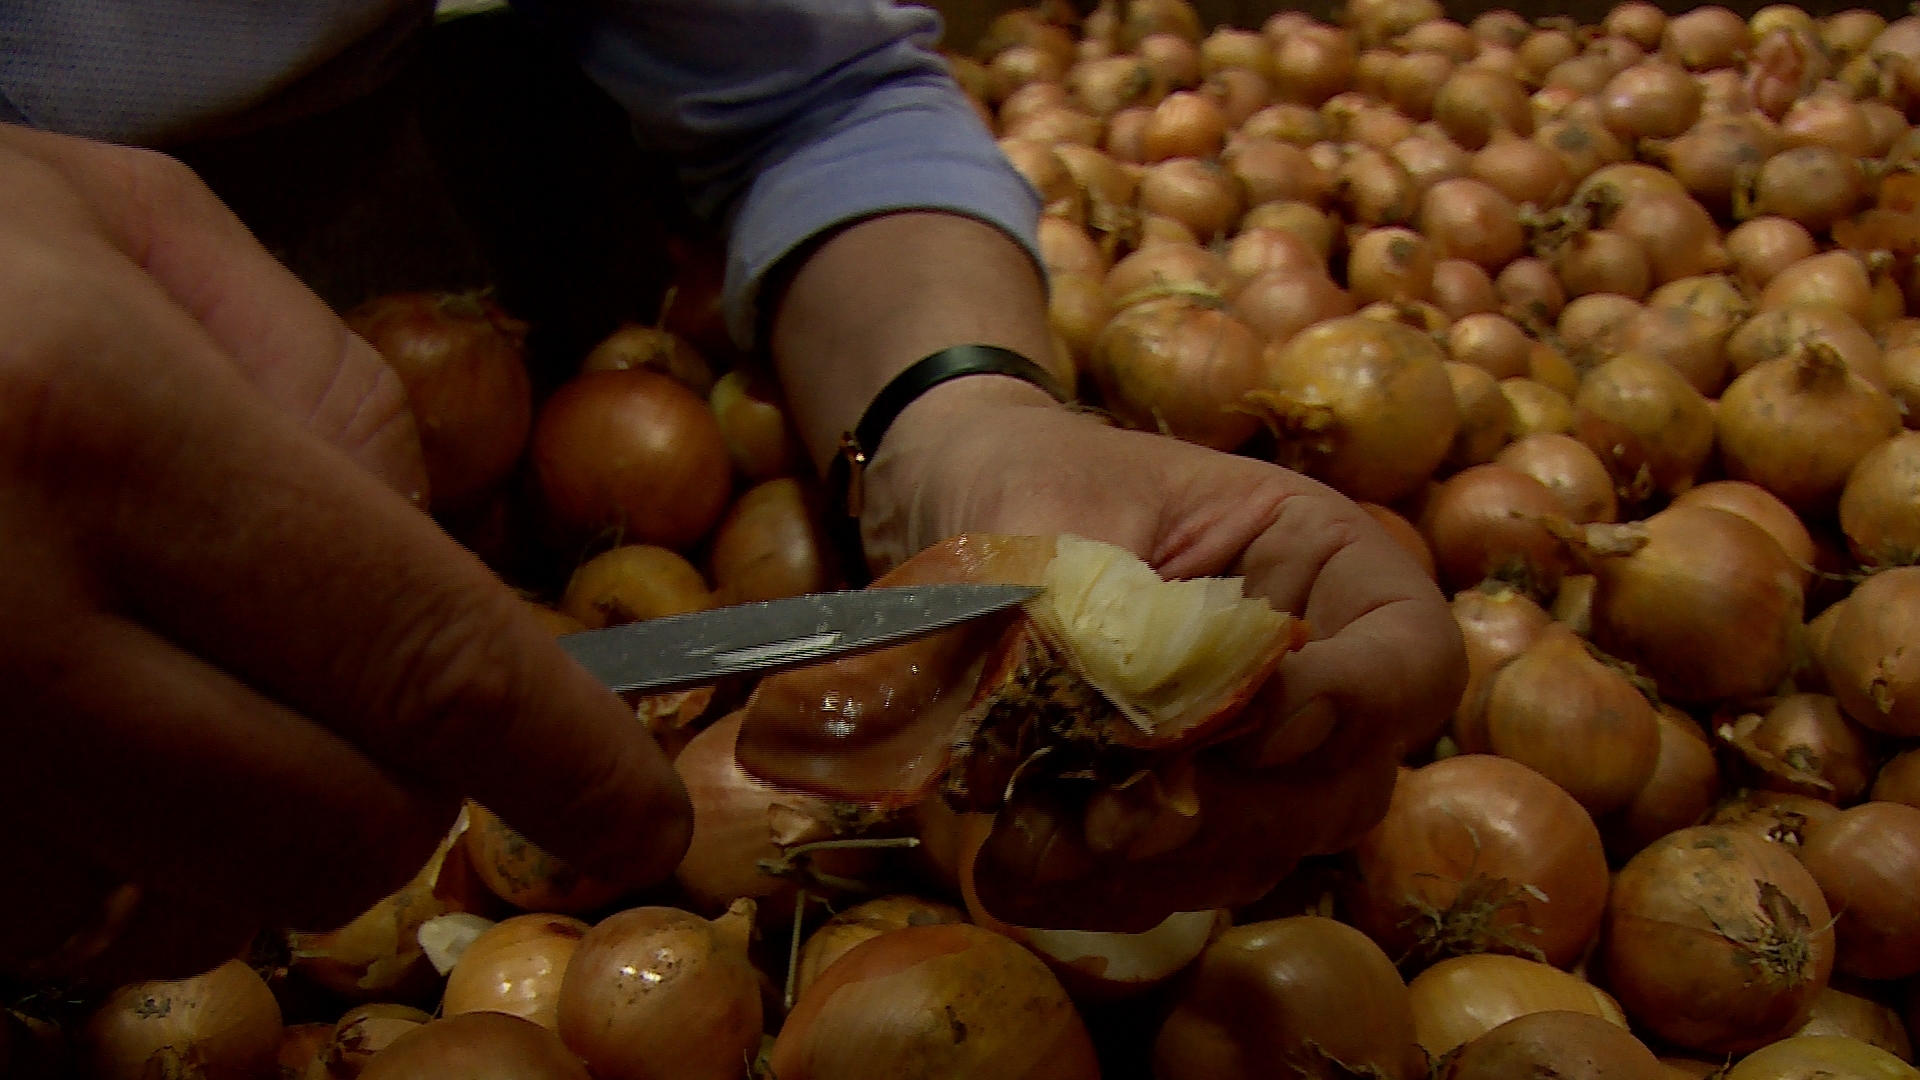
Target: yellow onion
[(1456, 1001), (223, 1025)]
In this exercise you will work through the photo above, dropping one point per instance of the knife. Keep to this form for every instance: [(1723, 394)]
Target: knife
[(678, 652)]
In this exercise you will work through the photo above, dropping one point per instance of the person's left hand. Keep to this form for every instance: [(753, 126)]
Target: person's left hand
[(1383, 671)]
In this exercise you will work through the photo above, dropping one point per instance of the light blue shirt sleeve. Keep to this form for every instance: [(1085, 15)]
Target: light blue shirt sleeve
[(790, 117)]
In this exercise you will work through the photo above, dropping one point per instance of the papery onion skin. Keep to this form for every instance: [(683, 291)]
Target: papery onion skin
[(1880, 505), (1763, 508), (1810, 1057), (1647, 424), (1773, 816), (221, 1025), (1174, 365), (1470, 219), (1717, 940), (1710, 608), (1498, 622), (1306, 994), (1377, 424), (1486, 417), (1838, 1012), (1480, 854), (1569, 469), (1867, 861), (1459, 1000), (366, 1030), (1461, 288), (633, 582), (994, 1009), (476, 1046), (1869, 659), (515, 967), (769, 546), (1682, 789), (1804, 745), (1569, 1045), (1798, 426), (863, 922), (1487, 522)]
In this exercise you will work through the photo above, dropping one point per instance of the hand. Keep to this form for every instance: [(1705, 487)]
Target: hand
[(247, 677), (1383, 671)]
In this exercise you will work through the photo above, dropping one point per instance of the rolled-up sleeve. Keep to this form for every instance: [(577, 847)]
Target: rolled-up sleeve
[(791, 117)]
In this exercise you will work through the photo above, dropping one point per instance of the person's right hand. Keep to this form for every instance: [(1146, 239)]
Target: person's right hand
[(244, 673)]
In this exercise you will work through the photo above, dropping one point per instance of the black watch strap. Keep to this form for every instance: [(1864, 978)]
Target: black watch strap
[(845, 473)]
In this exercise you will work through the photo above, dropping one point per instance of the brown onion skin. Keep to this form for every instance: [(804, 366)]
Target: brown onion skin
[(636, 451), (1682, 789), (515, 967), (1456, 1001), (1651, 429), (1679, 236), (1585, 147), (1869, 660), (1603, 262), (1156, 268), (1710, 607), (1301, 991), (1705, 37), (1579, 723), (769, 546), (1899, 780), (1470, 219), (1523, 170), (1833, 279), (461, 359), (1492, 343), (1498, 622), (1798, 426), (1269, 170), (1791, 332), (867, 1014), (1196, 193), (1530, 293), (1537, 408), (1373, 189), (1486, 417), (1709, 157), (1569, 1045), (1569, 469), (1593, 328), (1461, 840), (476, 1046), (1385, 391), (1461, 288), (1653, 99), (1474, 103), (1279, 304), (1390, 264), (1485, 522), (1184, 124), (1680, 929), (1173, 365), (220, 1025), (1804, 745), (1867, 861), (1763, 508), (1690, 343), (1813, 185), (1880, 505), (863, 922)]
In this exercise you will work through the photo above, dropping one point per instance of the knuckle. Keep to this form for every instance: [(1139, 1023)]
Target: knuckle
[(452, 674)]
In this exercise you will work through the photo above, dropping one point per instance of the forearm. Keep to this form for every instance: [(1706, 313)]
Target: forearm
[(887, 291)]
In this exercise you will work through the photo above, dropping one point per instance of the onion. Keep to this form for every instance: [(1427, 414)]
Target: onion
[(1803, 745), (1442, 36), (1603, 262), (366, 1031), (1459, 1000), (1544, 49), (1254, 252), (1077, 310), (1469, 219), (1413, 82), (1461, 288), (1867, 861), (1886, 126), (1838, 124), (1553, 1044), (1530, 293), (462, 361), (656, 992), (1304, 990), (1899, 779), (1785, 64), (1652, 429), (1269, 170), (1474, 103), (1585, 147), (1773, 816), (633, 582), (1280, 304), (1498, 622), (864, 922), (1486, 417), (1030, 99), (1652, 99), (1318, 228), (1794, 333), (1485, 522), (753, 425), (1709, 608), (1490, 342), (1311, 64), (1430, 159), (1065, 248), (301, 1054), (1195, 193), (1480, 854), (1161, 269), (1712, 156), (1373, 189), (769, 546), (1573, 604), (1717, 940), (514, 967), (1579, 723), (1678, 235), (1692, 344), (1287, 122), (1108, 86), (1382, 129), (1867, 658), (476, 1046), (1240, 93), (1523, 170), (1019, 65), (1813, 185), (1878, 504), (1537, 408), (1797, 427), (1185, 124), (1390, 264), (1714, 297), (519, 872), (1004, 1014), (1763, 508), (1172, 58), (1682, 789), (1705, 37), (223, 1025), (1815, 1056), (1227, 48), (1570, 470), (1061, 126), (1173, 365), (1500, 27), (1849, 33), (1035, 160), (1637, 21), (633, 451), (1363, 405), (1836, 279)]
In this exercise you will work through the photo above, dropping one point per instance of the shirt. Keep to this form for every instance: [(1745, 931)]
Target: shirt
[(788, 117)]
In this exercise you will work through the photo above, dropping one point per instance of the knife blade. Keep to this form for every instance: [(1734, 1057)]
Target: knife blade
[(678, 652)]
